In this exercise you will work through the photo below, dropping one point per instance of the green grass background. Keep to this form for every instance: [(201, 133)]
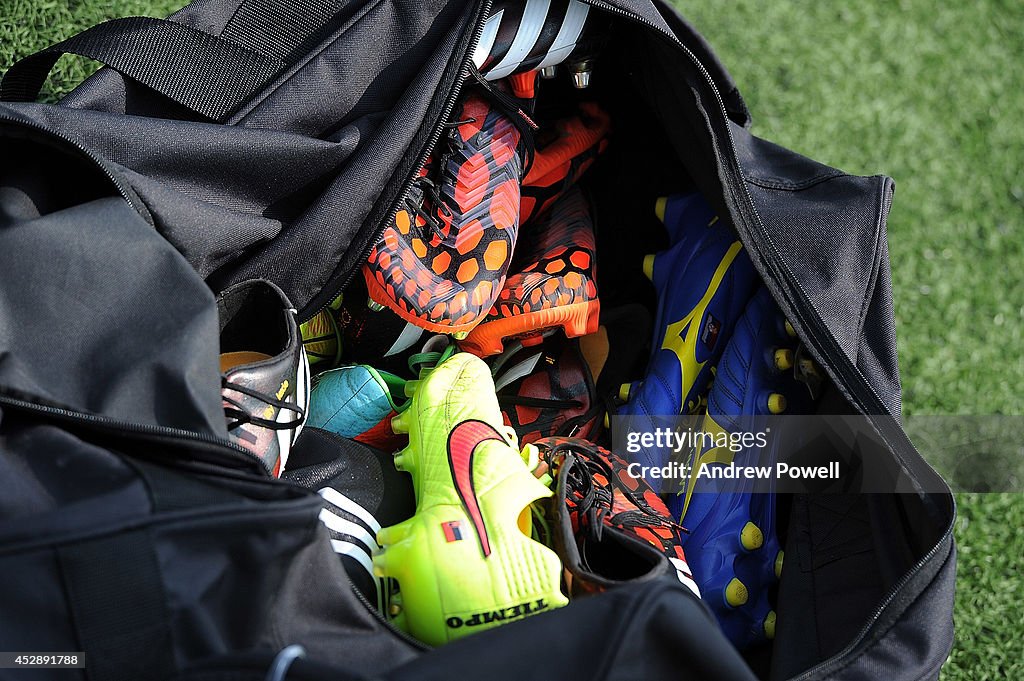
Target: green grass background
[(929, 93)]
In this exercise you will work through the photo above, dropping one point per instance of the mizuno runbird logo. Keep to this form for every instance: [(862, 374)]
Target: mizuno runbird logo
[(462, 443)]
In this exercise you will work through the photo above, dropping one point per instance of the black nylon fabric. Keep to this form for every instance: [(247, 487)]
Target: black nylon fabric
[(149, 591), (651, 631), (131, 529), (810, 209), (117, 605), (914, 640), (103, 345)]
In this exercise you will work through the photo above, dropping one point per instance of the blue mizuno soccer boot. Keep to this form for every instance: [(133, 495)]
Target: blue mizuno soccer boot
[(732, 545), (703, 281)]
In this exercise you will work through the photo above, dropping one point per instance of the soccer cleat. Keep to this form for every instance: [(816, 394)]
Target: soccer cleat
[(520, 36), (555, 288), (442, 261), (547, 389), (564, 152), (465, 561), (382, 339), (264, 371), (732, 542), (703, 282), (358, 402), (610, 528), (361, 491), (321, 338), (555, 388)]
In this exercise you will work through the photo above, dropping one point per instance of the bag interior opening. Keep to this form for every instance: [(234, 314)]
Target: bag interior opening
[(844, 551)]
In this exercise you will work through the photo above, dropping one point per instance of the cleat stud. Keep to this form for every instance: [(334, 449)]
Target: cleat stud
[(394, 610), (735, 593), (624, 391), (751, 537), (607, 420), (580, 71), (784, 359), (400, 423), (790, 331), (410, 387), (769, 624), (659, 207), (460, 335), (548, 72), (648, 266), (778, 564), (776, 403), (374, 305)]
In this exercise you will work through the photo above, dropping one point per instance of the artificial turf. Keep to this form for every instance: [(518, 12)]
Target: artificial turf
[(929, 93)]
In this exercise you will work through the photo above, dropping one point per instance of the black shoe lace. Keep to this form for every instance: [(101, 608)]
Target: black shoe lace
[(594, 501), (519, 111), (429, 189), (238, 416), (515, 110)]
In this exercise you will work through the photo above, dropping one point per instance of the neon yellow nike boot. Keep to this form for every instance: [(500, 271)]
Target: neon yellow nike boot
[(465, 561)]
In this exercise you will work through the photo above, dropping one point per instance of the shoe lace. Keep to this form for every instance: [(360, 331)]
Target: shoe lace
[(238, 416), (594, 500), (511, 400), (515, 109), (429, 189)]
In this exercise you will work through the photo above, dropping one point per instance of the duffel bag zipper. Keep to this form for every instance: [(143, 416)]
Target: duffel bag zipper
[(419, 645), (126, 193), (863, 393), (143, 431), (321, 301)]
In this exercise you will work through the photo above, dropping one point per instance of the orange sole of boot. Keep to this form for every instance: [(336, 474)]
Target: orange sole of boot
[(380, 296), (577, 319)]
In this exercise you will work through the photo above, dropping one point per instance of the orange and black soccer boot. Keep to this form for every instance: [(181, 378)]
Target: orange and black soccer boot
[(442, 261), (559, 386), (554, 284), (608, 527), (563, 153), (547, 389)]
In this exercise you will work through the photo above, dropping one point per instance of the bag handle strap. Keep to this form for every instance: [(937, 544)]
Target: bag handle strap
[(205, 73), (116, 596)]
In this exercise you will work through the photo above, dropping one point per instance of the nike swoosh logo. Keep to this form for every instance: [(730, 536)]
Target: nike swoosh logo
[(462, 443)]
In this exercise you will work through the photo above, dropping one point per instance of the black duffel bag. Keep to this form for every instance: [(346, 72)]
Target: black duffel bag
[(247, 139)]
